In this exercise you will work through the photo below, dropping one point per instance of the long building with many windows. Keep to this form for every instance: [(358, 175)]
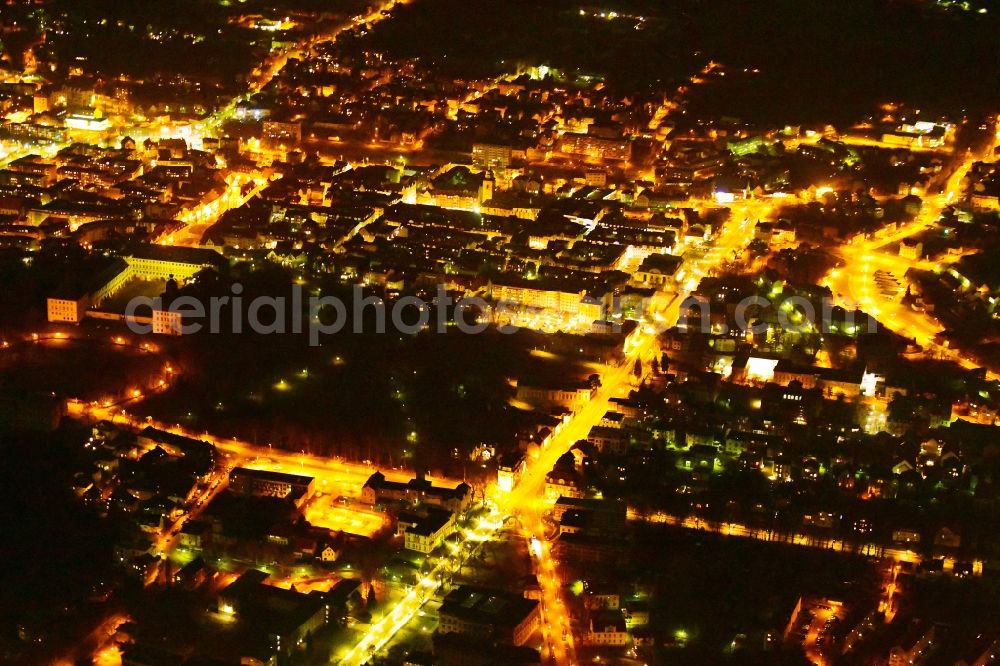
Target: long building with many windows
[(378, 490), (161, 262), (146, 262), (265, 483)]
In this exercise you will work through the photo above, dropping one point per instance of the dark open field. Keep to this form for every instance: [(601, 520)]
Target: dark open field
[(818, 61)]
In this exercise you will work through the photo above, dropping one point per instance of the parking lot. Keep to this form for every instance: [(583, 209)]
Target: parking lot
[(887, 285), (331, 513)]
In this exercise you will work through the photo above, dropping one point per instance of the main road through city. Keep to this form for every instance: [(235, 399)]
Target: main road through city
[(527, 499)]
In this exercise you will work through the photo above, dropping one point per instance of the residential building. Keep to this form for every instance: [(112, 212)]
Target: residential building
[(658, 271), (567, 303), (572, 395), (596, 147), (607, 628), (509, 470), (428, 531)]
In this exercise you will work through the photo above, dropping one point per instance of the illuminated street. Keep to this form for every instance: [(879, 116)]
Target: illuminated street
[(854, 285), (526, 500), (459, 332)]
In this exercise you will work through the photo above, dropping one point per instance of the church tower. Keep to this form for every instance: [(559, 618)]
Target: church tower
[(486, 189)]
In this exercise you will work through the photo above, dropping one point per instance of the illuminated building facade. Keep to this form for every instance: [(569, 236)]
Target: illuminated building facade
[(567, 303), (265, 483), (596, 147), (378, 489), (160, 262), (67, 310)]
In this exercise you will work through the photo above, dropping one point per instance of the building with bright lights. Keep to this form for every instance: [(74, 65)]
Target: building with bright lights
[(174, 444), (265, 483), (167, 322), (496, 156), (146, 263), (607, 628), (67, 308), (608, 440), (920, 134), (561, 302), (195, 534), (568, 394), (280, 136), (71, 303), (596, 147), (489, 614), (513, 204), (88, 122), (424, 533), (510, 467), (658, 271), (162, 262), (32, 133), (841, 382), (379, 490), (784, 372), (563, 483), (911, 248)]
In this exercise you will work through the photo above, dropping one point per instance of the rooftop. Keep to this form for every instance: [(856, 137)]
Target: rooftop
[(487, 606)]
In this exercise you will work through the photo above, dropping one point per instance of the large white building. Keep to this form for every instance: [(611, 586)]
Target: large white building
[(426, 533), (67, 309), (162, 262), (572, 396), (565, 303), (147, 262), (70, 305)]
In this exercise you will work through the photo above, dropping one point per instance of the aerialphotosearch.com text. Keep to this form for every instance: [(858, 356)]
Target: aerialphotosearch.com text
[(318, 316)]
